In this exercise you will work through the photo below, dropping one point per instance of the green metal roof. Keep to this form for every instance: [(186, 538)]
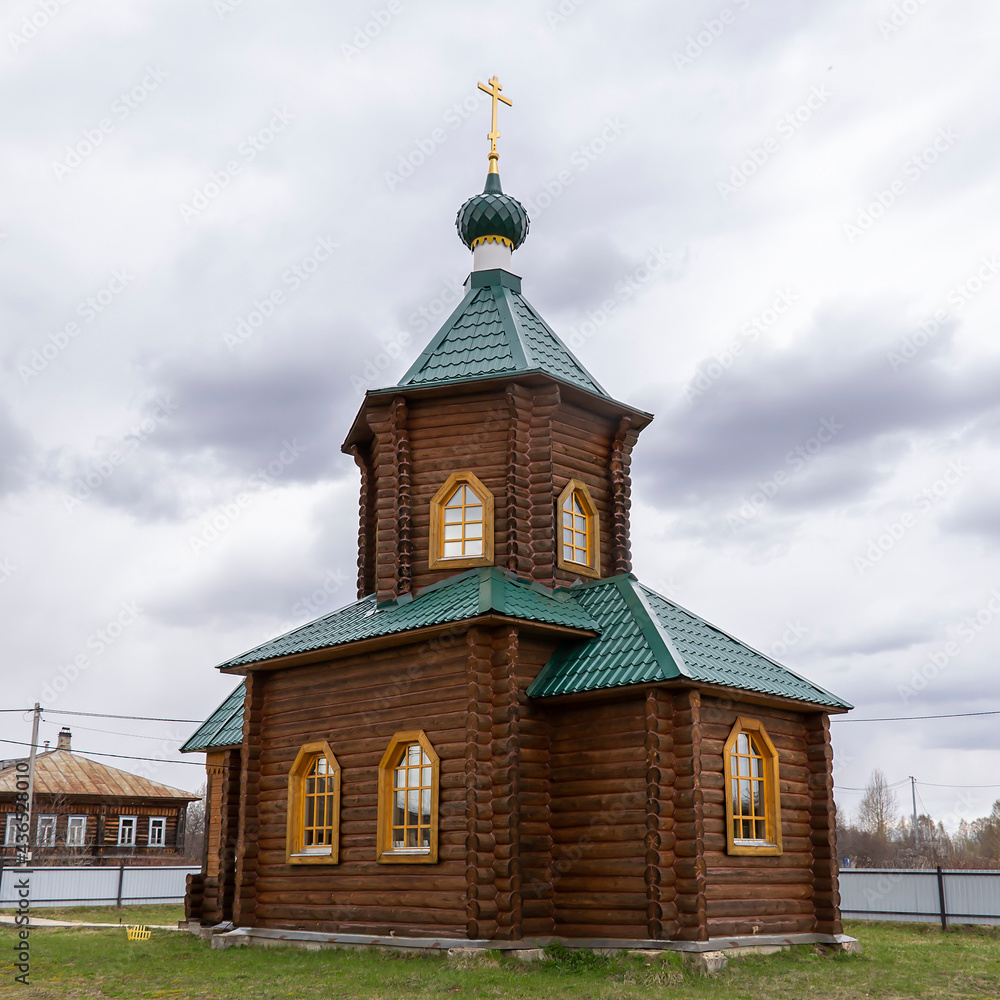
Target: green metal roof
[(644, 637), (223, 728), (493, 331), (466, 595)]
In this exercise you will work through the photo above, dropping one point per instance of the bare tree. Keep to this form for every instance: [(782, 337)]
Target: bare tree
[(194, 828), (878, 809)]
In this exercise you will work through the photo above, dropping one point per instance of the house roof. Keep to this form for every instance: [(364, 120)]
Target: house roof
[(476, 592), (644, 637), (495, 331), (62, 772), (223, 728)]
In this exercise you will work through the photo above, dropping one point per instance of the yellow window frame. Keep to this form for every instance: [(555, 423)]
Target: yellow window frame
[(390, 763), (577, 490), (296, 850), (437, 559), (767, 775)]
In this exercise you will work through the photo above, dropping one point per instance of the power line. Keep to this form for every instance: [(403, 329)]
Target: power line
[(104, 715), (121, 756), (912, 718), (113, 732)]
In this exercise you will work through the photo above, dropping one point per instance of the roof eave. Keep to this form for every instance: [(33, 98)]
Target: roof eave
[(360, 431), (361, 646)]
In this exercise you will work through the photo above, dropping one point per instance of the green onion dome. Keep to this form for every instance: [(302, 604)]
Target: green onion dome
[(492, 217)]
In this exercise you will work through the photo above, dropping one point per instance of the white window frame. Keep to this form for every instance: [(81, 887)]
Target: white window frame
[(130, 823), (71, 826), (39, 841), (10, 834), (157, 823)]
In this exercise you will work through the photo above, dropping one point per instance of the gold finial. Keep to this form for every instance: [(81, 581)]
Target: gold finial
[(494, 91)]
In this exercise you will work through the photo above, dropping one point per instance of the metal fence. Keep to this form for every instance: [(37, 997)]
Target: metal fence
[(83, 886), (959, 896)]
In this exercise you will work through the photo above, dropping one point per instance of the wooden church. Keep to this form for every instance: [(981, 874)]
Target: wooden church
[(508, 738)]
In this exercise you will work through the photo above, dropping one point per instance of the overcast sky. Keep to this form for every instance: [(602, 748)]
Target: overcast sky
[(775, 225)]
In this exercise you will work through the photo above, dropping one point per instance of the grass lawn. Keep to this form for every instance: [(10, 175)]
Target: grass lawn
[(155, 913), (900, 960)]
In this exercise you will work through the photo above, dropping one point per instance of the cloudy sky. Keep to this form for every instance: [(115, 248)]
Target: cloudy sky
[(774, 225)]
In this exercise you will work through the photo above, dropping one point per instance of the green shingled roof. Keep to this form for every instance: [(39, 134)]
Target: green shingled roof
[(223, 728), (493, 331), (467, 595), (645, 638)]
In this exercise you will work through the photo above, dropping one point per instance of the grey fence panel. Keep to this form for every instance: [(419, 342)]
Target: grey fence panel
[(970, 896), (103, 886)]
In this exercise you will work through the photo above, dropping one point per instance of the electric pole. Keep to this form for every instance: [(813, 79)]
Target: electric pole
[(37, 714), (913, 792)]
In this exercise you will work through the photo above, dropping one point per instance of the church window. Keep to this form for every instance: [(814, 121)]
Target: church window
[(753, 808), (461, 524), (579, 530), (313, 830), (408, 801)]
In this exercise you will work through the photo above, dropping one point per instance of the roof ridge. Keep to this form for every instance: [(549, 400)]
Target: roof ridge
[(527, 357), (651, 627)]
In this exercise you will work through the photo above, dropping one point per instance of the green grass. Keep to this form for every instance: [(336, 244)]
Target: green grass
[(155, 913), (900, 961)]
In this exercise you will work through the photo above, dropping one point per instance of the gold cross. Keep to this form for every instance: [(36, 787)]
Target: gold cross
[(494, 91)]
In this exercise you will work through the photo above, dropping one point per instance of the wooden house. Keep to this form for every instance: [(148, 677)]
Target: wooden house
[(509, 738), (89, 813)]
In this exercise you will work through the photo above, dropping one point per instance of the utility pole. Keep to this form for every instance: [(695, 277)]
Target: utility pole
[(37, 714), (913, 792)]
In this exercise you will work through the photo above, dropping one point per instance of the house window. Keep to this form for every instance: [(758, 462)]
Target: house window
[(76, 831), (408, 801), (753, 808), (461, 532), (126, 831), (157, 831), (579, 530), (312, 832), (46, 836), (10, 834)]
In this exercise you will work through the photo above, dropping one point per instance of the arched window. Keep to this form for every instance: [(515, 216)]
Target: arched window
[(579, 545), (461, 524), (312, 833), (753, 806), (408, 801)]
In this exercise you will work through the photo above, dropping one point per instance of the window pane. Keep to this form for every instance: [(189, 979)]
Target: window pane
[(568, 553), (425, 775), (745, 797), (741, 743), (744, 765), (411, 837), (413, 777), (425, 807), (753, 748), (758, 788), (452, 514), (412, 806), (399, 781), (452, 548), (425, 837), (399, 809), (758, 767), (398, 838), (452, 531), (474, 530), (474, 513), (759, 825), (321, 811), (568, 536), (413, 753), (747, 830), (474, 548), (310, 811)]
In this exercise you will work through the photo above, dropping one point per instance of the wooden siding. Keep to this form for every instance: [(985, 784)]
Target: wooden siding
[(760, 895), (598, 803)]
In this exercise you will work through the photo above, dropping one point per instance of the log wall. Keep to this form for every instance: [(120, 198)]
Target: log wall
[(599, 812), (754, 894)]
